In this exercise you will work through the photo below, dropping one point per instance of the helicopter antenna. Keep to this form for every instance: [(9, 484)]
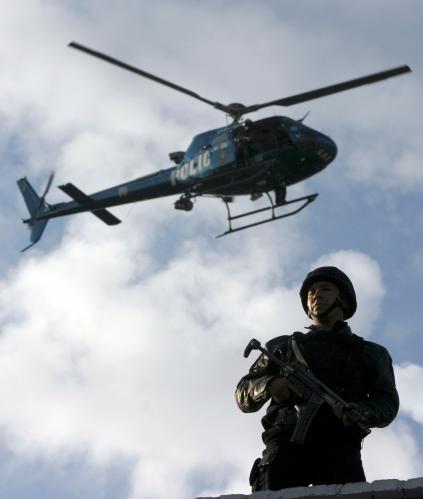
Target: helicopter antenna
[(304, 117)]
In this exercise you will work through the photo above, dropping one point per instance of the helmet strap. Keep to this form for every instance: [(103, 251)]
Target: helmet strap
[(337, 303)]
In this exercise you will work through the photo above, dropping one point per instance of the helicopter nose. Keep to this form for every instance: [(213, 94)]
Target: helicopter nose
[(326, 148), (315, 143)]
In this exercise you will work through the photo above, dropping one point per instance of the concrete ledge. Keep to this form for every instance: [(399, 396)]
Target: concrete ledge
[(379, 489)]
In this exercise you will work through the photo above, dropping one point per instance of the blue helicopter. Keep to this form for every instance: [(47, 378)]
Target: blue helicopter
[(253, 158)]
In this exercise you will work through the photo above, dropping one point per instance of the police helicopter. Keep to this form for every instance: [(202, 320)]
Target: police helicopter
[(253, 158)]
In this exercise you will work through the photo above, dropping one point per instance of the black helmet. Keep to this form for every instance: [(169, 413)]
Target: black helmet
[(335, 276)]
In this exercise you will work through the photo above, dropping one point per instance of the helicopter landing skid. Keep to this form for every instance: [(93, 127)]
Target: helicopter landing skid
[(306, 201)]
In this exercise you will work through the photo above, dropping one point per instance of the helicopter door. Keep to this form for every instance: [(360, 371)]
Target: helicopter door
[(222, 150)]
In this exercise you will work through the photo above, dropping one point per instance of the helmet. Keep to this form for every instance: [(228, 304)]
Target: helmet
[(337, 277)]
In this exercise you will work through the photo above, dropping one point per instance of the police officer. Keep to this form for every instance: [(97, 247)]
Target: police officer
[(360, 371)]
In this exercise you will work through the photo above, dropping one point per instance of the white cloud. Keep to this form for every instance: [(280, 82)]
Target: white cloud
[(398, 444), (384, 160), (127, 341), (117, 360), (409, 380), (392, 453)]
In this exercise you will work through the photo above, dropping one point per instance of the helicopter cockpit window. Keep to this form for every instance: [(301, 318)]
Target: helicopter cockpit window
[(295, 132), (283, 138), (268, 135)]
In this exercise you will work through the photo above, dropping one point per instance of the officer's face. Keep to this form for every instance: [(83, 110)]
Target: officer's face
[(321, 296)]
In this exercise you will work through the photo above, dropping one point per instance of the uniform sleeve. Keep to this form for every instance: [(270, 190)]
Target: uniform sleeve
[(382, 403), (251, 393)]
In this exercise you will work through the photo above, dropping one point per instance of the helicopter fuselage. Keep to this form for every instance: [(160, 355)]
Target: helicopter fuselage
[(241, 159)]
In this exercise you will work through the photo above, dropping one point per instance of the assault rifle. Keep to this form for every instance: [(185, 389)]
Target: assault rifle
[(314, 393)]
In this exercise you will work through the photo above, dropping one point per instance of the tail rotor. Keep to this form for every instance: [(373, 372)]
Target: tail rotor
[(48, 185)]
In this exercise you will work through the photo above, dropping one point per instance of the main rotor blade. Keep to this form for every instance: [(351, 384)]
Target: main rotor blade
[(331, 89), (135, 70)]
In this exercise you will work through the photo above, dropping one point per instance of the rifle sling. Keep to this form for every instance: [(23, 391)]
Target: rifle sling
[(297, 352)]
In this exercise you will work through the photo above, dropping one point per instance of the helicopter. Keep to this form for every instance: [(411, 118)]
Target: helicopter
[(254, 158)]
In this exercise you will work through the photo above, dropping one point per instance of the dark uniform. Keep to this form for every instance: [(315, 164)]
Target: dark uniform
[(358, 370)]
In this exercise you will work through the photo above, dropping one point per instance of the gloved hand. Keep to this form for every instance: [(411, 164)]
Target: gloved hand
[(278, 389), (341, 412)]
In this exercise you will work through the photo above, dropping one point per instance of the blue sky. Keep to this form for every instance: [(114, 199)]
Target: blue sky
[(120, 347)]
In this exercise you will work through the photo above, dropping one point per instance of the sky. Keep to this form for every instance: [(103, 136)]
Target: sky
[(120, 347)]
